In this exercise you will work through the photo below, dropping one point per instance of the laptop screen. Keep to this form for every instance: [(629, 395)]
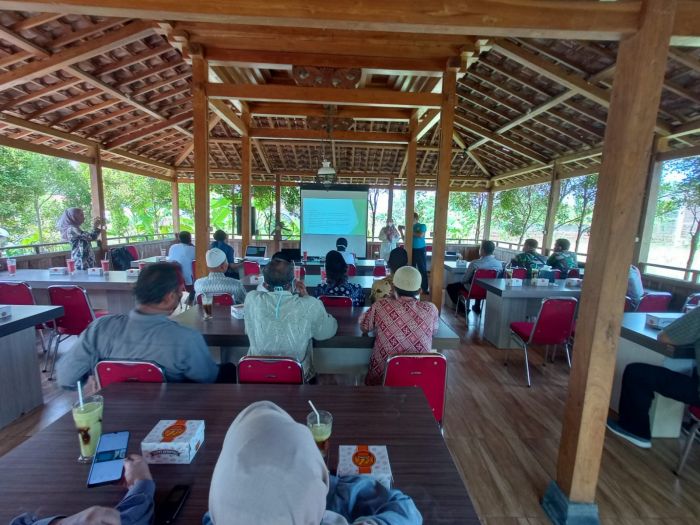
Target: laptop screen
[(255, 251)]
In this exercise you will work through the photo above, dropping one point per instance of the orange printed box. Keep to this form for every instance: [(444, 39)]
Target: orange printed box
[(372, 460), (174, 441)]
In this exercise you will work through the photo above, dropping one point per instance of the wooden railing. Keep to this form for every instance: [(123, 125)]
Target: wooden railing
[(675, 272), (52, 247)]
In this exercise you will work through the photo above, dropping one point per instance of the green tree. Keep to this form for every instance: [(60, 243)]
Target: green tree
[(466, 215), (576, 202), (521, 210)]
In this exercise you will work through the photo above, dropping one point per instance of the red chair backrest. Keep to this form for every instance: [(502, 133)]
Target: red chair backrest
[(133, 251), (574, 273), (221, 299), (352, 270), (429, 248), (555, 321), (654, 302), (19, 293), (251, 268), (273, 369), (108, 372), (475, 290), (77, 312), (335, 300), (427, 371), (692, 300), (379, 271), (557, 274), (519, 273)]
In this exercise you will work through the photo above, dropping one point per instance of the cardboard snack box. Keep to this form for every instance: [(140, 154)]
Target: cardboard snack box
[(372, 460), (173, 441)]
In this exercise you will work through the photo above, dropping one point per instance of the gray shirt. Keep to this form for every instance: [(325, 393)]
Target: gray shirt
[(180, 351), (488, 262)]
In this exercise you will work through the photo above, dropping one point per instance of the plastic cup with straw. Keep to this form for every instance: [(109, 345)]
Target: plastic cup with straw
[(320, 422), (87, 415)]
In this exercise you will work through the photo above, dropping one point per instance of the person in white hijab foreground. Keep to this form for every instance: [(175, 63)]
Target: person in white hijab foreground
[(271, 472)]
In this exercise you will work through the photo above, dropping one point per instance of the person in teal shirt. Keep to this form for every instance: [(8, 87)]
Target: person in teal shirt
[(562, 259), (418, 255)]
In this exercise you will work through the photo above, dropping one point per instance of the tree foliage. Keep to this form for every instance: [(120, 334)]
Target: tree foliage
[(521, 211), (576, 202)]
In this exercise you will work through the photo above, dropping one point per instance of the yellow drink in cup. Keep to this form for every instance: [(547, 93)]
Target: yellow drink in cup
[(321, 431), (88, 422)]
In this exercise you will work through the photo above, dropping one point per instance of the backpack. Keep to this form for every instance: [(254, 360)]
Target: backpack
[(121, 259)]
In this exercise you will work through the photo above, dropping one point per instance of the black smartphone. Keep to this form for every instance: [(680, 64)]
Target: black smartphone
[(168, 510), (108, 461)]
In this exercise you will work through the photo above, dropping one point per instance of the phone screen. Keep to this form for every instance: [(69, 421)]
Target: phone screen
[(108, 463)]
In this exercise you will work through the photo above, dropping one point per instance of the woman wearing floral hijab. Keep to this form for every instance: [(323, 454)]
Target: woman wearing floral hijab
[(80, 241)]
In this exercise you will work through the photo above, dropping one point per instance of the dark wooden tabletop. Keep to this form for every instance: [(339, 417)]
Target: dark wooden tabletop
[(224, 330), (28, 316), (527, 291), (635, 329), (41, 279), (42, 474)]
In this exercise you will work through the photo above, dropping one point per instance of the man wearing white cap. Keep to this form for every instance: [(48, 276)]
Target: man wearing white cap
[(401, 323), (216, 282)]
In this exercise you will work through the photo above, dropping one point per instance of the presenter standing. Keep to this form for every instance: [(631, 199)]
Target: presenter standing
[(418, 253), (389, 235)]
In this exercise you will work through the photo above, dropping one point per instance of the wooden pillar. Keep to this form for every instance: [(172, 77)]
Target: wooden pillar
[(200, 132), (442, 195), (278, 212), (411, 153), (245, 184), (641, 65), (488, 215), (175, 190), (552, 207), (97, 192), (390, 207)]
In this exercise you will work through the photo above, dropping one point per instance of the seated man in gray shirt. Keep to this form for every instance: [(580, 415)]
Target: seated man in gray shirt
[(144, 334), (487, 261)]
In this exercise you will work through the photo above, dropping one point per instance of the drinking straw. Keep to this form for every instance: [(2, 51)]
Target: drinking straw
[(318, 416), (80, 394)]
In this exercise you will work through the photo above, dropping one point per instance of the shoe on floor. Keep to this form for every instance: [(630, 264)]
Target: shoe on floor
[(615, 428)]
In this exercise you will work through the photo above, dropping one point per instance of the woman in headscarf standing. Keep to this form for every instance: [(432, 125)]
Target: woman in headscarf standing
[(80, 241), (389, 236)]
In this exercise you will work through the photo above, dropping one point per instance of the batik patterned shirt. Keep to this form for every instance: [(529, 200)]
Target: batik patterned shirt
[(401, 326), (218, 283), (81, 247), (529, 260), (344, 289), (563, 260)]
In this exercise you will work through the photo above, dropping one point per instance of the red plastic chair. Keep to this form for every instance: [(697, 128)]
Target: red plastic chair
[(77, 316), (519, 273), (574, 273), (427, 371), (133, 251), (221, 299), (270, 369), (115, 371), (379, 271), (692, 436), (352, 270), (654, 302), (20, 293), (692, 301), (475, 291), (629, 305), (553, 326), (335, 300), (251, 268)]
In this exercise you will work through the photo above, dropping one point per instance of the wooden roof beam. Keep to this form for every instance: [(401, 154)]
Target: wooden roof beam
[(34, 95), (314, 95), (226, 113), (322, 135), (35, 21), (149, 130), (265, 109), (526, 18)]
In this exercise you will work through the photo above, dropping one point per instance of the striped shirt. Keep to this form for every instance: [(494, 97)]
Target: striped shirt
[(218, 283)]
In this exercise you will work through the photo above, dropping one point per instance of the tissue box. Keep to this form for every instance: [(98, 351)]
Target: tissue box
[(540, 282), (372, 460), (95, 272), (514, 282), (173, 441), (573, 282), (132, 272), (5, 311), (660, 320), (58, 270)]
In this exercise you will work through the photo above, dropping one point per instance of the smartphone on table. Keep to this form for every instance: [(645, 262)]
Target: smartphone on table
[(108, 462)]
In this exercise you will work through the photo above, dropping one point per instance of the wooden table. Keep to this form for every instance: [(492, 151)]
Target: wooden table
[(506, 304), (20, 381), (348, 350), (639, 344), (250, 282), (148, 260), (42, 474), (454, 273), (113, 291)]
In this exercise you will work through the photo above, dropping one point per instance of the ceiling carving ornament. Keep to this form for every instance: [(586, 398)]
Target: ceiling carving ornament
[(311, 76)]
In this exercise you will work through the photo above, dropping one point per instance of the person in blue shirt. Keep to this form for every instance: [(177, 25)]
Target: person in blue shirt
[(220, 243), (270, 471), (135, 508), (418, 254)]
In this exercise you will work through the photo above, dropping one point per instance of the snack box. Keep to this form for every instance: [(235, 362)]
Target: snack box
[(514, 282), (132, 272), (58, 270), (95, 272), (573, 282), (174, 441), (540, 282), (5, 311), (660, 320), (372, 460)]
